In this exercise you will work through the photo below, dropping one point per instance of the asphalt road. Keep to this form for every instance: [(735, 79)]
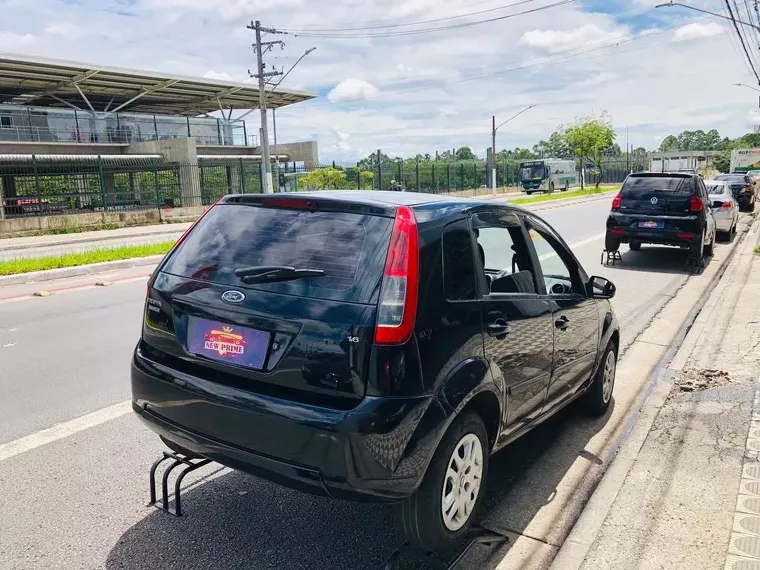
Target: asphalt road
[(79, 502)]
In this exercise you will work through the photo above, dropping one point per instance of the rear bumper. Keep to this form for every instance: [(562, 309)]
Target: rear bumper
[(681, 232), (354, 454)]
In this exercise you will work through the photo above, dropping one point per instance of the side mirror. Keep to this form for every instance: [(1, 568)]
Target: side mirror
[(601, 288)]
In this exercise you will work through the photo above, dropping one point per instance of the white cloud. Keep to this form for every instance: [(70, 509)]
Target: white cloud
[(352, 89), (696, 30), (554, 41), (11, 41), (220, 76), (67, 30), (419, 93)]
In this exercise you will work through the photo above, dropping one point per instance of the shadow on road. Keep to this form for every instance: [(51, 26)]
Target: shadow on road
[(657, 259), (236, 521)]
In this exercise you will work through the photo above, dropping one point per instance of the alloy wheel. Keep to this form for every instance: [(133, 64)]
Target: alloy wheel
[(608, 380), (462, 482)]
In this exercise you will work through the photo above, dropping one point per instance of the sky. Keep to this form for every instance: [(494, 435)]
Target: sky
[(655, 71)]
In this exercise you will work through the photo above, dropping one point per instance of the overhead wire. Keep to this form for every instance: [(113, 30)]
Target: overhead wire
[(377, 22), (540, 62), (741, 39), (398, 25), (425, 30)]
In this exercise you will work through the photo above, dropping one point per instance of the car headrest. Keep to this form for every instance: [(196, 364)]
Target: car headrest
[(520, 282)]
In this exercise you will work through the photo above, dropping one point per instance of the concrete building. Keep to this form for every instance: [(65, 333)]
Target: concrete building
[(671, 161), (77, 136)]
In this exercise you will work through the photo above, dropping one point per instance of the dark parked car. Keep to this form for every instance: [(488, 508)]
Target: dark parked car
[(667, 208), (374, 346), (743, 189)]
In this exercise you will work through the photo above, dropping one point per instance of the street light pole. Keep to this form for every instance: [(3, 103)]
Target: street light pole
[(669, 4), (495, 128)]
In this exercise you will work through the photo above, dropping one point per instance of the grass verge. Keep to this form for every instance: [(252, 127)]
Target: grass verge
[(21, 265), (565, 195), (757, 250)]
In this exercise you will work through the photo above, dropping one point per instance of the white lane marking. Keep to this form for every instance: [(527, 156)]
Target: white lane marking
[(71, 427), (64, 429)]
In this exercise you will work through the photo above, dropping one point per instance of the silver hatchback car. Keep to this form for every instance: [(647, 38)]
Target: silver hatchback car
[(725, 208)]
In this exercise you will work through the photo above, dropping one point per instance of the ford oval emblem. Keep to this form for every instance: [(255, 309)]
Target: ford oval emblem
[(654, 200), (233, 296)]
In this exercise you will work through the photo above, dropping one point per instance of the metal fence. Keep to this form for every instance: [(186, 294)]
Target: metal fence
[(37, 188), (70, 185)]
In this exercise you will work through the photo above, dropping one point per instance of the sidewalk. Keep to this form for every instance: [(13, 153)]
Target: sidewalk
[(684, 490)]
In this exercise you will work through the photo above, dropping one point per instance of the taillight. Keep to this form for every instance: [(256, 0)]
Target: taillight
[(696, 204), (747, 188), (397, 309), (726, 205), (684, 235), (617, 201), (617, 231)]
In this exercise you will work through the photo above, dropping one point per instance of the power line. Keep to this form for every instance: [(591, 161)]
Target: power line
[(378, 22), (380, 27), (570, 54), (426, 30), (741, 39)]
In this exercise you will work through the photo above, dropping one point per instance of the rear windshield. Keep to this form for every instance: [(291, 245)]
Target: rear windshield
[(637, 185), (714, 189), (350, 248), (733, 178)]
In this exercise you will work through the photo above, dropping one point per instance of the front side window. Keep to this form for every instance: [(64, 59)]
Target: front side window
[(560, 273), (503, 253)]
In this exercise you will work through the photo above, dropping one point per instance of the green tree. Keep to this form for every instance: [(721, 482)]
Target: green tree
[(589, 137), (327, 178), (556, 147), (366, 177), (465, 153), (669, 143)]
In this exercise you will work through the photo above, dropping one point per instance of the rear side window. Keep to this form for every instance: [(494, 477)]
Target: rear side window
[(459, 280), (350, 249)]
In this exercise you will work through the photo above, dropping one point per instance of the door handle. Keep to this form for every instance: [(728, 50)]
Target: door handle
[(562, 323), (499, 328)]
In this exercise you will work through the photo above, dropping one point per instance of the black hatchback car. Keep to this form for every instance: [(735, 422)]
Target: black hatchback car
[(669, 208), (374, 346), (743, 189)]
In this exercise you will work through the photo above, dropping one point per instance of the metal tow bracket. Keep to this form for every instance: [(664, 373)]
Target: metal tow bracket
[(610, 257), (423, 558), (188, 466)]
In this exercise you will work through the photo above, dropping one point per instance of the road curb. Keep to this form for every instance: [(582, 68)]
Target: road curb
[(91, 239), (63, 273), (574, 549)]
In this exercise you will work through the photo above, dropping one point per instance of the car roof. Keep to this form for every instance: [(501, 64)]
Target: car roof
[(713, 181), (684, 175), (384, 197)]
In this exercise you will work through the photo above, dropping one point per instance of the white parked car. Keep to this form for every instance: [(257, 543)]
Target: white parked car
[(725, 208)]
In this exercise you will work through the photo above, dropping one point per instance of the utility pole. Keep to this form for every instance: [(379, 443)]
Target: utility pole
[(262, 76), (493, 154)]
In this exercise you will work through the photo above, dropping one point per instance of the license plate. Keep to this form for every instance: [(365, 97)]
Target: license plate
[(223, 342), (651, 225)]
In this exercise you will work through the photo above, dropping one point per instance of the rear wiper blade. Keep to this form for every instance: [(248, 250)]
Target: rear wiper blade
[(271, 273)]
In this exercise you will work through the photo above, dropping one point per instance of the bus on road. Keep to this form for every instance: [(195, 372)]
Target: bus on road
[(547, 175)]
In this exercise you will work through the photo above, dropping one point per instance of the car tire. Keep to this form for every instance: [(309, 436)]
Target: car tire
[(551, 187), (611, 243), (597, 398), (566, 187), (634, 245), (710, 249), (528, 192), (423, 516), (697, 250)]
